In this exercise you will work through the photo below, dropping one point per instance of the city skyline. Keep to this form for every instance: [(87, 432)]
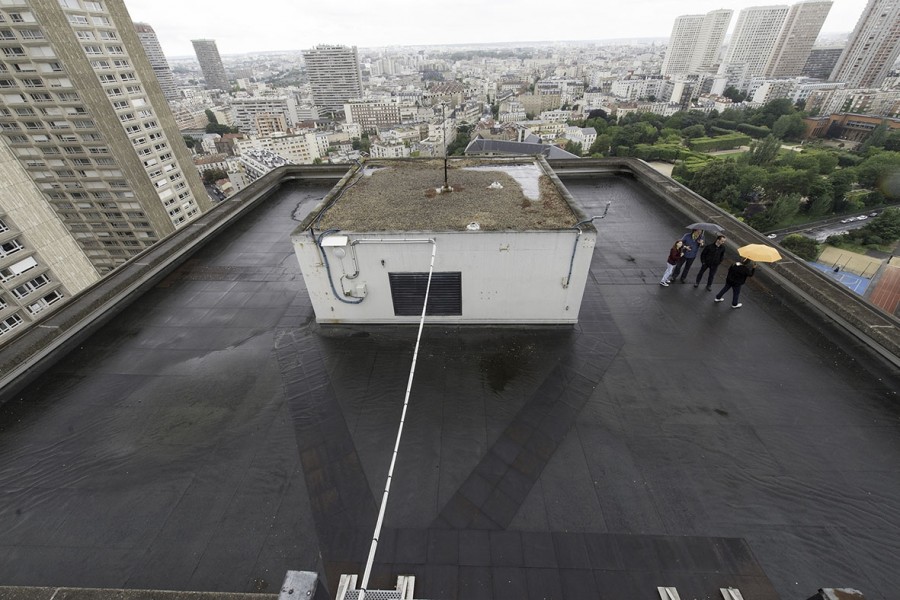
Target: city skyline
[(366, 25)]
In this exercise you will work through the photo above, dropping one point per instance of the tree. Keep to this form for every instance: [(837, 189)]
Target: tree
[(886, 225), (694, 131), (764, 152), (189, 141), (875, 171), (211, 176), (789, 127), (734, 94), (573, 147), (802, 246), (211, 117), (220, 129)]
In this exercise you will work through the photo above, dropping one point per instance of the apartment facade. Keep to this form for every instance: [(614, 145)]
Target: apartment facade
[(245, 112), (754, 37), (211, 64), (695, 42), (795, 41), (873, 47), (334, 76), (92, 156), (373, 116), (158, 61)]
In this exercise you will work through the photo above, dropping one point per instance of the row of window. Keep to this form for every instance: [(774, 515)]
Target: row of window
[(39, 97), (90, 5)]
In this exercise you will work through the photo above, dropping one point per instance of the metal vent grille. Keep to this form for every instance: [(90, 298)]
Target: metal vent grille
[(444, 298), (378, 595)]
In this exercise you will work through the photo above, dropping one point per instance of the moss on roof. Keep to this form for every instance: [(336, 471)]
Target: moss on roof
[(402, 196)]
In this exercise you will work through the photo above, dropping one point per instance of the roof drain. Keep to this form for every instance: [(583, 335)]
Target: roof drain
[(577, 228), (412, 371)]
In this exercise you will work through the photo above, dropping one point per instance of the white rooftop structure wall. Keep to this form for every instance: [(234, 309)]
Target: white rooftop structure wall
[(508, 277)]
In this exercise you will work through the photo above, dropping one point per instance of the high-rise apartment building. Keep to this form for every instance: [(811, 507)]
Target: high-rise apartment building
[(873, 47), (754, 36), (685, 33), (157, 60), (695, 42), (709, 42), (334, 76), (211, 64), (92, 157), (821, 62), (795, 41)]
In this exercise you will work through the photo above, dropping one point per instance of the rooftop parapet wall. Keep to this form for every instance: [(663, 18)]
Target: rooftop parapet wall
[(864, 321)]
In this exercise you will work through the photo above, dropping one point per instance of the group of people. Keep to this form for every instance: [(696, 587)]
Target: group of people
[(683, 253)]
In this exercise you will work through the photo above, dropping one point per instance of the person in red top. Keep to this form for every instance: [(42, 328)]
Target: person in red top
[(675, 254)]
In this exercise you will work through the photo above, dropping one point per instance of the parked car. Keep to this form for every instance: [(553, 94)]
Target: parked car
[(874, 214), (846, 220), (862, 218), (772, 236)]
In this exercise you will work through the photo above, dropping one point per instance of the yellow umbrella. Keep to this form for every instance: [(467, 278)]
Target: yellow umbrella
[(759, 253)]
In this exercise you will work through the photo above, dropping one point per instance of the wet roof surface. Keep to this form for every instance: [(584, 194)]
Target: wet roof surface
[(212, 437)]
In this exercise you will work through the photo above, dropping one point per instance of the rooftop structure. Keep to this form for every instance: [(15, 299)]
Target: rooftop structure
[(203, 433), (513, 249)]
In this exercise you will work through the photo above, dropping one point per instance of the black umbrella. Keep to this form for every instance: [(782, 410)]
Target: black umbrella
[(706, 227)]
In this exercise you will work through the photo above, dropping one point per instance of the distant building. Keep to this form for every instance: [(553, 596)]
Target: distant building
[(795, 41), (334, 76), (245, 112), (754, 37), (821, 62), (695, 42), (847, 126), (372, 116), (873, 47), (211, 64), (157, 61)]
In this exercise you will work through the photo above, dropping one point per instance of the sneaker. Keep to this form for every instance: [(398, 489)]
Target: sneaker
[(737, 305), (708, 289), (664, 283), (696, 285), (719, 300)]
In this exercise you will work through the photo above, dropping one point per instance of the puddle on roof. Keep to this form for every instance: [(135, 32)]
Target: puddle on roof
[(367, 171), (527, 176)]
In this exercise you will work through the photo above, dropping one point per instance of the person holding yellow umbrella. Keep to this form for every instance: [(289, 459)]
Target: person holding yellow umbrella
[(742, 270)]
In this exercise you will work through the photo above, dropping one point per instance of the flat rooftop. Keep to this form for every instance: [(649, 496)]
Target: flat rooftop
[(212, 437), (499, 194)]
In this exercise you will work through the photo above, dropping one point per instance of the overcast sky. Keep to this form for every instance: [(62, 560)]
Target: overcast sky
[(260, 25)]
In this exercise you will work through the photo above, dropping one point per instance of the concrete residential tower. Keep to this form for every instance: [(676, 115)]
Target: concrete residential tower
[(754, 36), (796, 39), (695, 42), (873, 46), (334, 76), (211, 64), (157, 60), (90, 156)]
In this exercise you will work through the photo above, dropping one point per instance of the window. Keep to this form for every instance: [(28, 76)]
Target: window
[(17, 269), (107, 79), (91, 49), (93, 6), (10, 247), (26, 288), (3, 226), (44, 302), (10, 322), (14, 51), (6, 34), (101, 21), (84, 35)]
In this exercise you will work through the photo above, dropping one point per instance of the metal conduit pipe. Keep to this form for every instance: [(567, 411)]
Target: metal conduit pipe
[(328, 269), (577, 227), (355, 273)]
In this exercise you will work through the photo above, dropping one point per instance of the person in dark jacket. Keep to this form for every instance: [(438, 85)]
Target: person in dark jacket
[(693, 241), (675, 253), (710, 259), (737, 276)]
